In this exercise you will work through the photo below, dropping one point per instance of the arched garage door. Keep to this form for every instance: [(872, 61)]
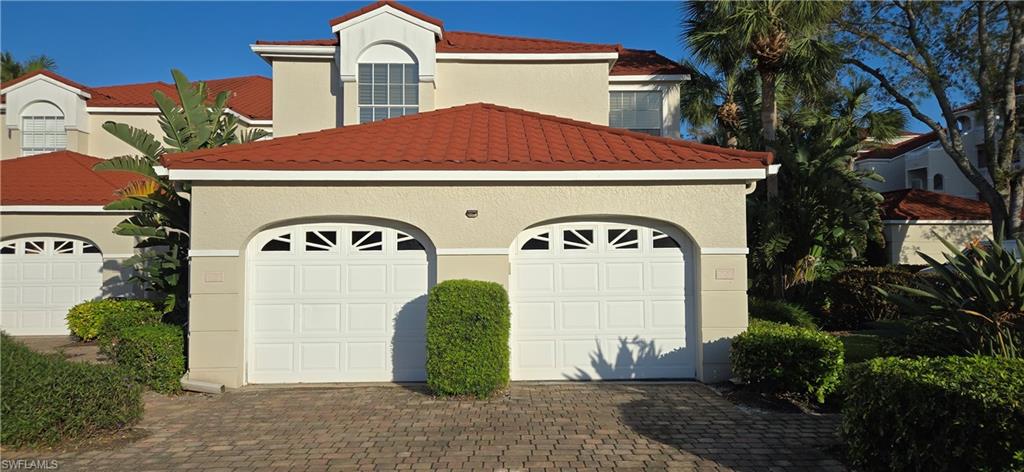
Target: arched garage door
[(42, 277), (336, 303), (600, 300)]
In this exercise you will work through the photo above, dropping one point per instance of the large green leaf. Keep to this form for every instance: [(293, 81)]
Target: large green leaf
[(140, 139), (136, 165)]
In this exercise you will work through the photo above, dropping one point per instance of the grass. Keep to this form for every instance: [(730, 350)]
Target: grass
[(865, 344)]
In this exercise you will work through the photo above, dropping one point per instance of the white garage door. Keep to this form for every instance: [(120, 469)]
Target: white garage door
[(42, 277), (336, 303), (600, 301)]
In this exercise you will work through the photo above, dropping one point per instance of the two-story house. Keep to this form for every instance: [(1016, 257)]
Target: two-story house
[(926, 194), (405, 154)]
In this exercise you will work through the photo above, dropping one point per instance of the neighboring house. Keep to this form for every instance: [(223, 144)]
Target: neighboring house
[(916, 219), (623, 248), (920, 163), (44, 112)]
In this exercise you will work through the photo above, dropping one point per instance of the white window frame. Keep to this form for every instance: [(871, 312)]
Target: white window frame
[(669, 115), (389, 84), (59, 134)]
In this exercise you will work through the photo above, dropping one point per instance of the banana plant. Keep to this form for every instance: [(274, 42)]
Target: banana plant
[(160, 219), (979, 292)]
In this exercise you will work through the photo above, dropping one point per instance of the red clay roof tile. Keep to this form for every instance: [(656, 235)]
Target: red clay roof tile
[(59, 178), (890, 151), (641, 62), (916, 204), (392, 4), (471, 137), (467, 42)]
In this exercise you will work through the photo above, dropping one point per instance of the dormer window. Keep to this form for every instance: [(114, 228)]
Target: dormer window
[(42, 129), (636, 111), (387, 91)]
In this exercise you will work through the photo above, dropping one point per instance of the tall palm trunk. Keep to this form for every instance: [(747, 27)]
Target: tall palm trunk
[(769, 109)]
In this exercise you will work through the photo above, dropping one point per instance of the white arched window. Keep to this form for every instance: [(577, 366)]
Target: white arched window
[(388, 83), (42, 129)]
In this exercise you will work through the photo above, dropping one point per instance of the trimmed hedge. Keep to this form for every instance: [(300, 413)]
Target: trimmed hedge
[(854, 301), (782, 359), (468, 323), (780, 312), (89, 320), (153, 355), (935, 414), (48, 399)]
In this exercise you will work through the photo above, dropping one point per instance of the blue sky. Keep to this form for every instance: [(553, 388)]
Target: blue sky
[(106, 43)]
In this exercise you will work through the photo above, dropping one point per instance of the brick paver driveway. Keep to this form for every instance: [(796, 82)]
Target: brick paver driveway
[(678, 426)]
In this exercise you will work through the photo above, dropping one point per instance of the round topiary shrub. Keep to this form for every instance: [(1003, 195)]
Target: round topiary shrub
[(935, 414), (468, 323), (86, 320), (48, 399), (788, 360), (153, 354), (780, 312)]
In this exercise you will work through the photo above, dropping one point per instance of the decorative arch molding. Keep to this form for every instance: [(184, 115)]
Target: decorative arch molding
[(386, 52), (670, 229), (49, 243), (385, 26), (41, 108), (401, 226)]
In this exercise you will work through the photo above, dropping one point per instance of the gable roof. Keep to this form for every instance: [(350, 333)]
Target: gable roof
[(392, 4), (889, 151), (916, 204), (471, 137), (251, 96), (59, 178)]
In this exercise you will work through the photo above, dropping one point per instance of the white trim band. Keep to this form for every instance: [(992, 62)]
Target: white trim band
[(724, 251), (156, 111), (59, 209), (117, 256), (473, 251), (490, 56), (213, 253), (649, 78), (469, 175), (937, 222)]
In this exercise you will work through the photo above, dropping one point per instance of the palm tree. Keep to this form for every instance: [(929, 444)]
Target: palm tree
[(780, 38), (823, 214), (161, 218), (12, 69)]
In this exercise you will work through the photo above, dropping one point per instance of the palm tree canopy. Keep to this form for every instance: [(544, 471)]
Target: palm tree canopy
[(12, 69)]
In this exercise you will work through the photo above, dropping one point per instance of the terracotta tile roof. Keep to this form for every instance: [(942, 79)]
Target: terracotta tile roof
[(251, 96), (889, 151), (471, 137), (915, 204), (641, 62), (395, 5), (462, 41), (58, 178)]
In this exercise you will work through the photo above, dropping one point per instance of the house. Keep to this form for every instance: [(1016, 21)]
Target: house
[(917, 169), (405, 154)]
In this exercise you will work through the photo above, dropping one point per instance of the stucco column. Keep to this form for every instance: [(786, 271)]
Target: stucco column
[(216, 319), (723, 311)]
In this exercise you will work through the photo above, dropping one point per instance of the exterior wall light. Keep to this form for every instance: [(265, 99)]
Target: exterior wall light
[(471, 213)]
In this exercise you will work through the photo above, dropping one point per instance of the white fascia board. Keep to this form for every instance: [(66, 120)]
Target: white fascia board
[(156, 111), (388, 9), (469, 175), (56, 83), (249, 121), (58, 209), (774, 169), (527, 57), (161, 171), (649, 78), (937, 222), (293, 51)]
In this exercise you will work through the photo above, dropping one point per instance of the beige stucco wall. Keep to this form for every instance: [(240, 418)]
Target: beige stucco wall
[(307, 96), (106, 145), (577, 90), (713, 215), (904, 241), (10, 142), (94, 228)]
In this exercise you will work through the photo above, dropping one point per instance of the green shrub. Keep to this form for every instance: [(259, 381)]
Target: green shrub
[(153, 355), (468, 324), (780, 312), (935, 414), (48, 399), (128, 314), (783, 359), (925, 338), (86, 320), (855, 301)]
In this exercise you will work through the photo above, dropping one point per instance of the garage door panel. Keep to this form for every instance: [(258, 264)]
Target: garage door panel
[(274, 319), (619, 305), (63, 271), (34, 319), (34, 295), (10, 296), (360, 301), (10, 272), (269, 357), (33, 271)]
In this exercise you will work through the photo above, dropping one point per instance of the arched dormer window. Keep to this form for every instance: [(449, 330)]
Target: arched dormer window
[(963, 124), (388, 83), (938, 182), (42, 129)]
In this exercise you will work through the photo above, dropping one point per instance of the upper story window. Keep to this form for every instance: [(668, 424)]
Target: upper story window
[(636, 111), (963, 124), (938, 182), (387, 91), (42, 129)]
